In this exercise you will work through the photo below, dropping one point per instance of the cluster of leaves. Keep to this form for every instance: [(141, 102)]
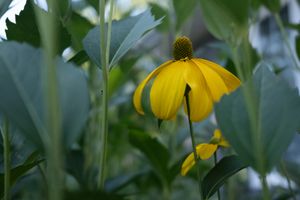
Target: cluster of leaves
[(274, 106)]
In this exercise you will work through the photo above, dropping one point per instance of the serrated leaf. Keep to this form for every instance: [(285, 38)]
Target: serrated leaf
[(160, 13), (156, 153), (26, 29), (183, 10), (225, 19), (125, 33), (215, 178), (277, 117), (22, 93)]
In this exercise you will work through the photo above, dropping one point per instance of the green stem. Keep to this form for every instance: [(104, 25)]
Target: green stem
[(286, 174), (215, 162), (53, 146), (6, 146), (166, 191), (266, 192), (104, 54), (286, 40), (193, 144)]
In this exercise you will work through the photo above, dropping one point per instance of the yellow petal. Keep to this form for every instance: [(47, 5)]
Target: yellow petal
[(205, 151), (200, 100), (167, 91), (213, 80), (137, 97), (219, 137), (188, 163), (230, 80)]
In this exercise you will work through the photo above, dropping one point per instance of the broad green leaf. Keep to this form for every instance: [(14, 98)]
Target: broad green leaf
[(17, 172), (277, 117), (92, 195), (216, 177), (26, 29), (22, 95), (225, 19), (156, 153), (125, 33), (183, 10), (298, 46), (4, 6), (161, 13)]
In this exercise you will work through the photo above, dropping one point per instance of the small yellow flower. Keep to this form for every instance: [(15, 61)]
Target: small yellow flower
[(204, 151), (207, 82)]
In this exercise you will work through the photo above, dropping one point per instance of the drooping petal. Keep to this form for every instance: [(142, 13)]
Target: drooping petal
[(167, 91), (213, 80), (230, 80), (200, 101), (187, 164), (219, 137), (205, 151), (137, 97)]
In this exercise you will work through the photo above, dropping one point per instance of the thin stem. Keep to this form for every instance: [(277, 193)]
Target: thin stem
[(104, 54), (286, 174), (6, 146), (286, 40), (53, 146), (266, 192), (193, 143), (215, 162)]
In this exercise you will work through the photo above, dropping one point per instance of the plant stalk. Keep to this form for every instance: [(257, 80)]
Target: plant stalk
[(193, 143), (7, 159), (266, 192), (284, 36)]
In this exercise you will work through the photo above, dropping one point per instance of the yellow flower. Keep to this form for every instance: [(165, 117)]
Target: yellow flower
[(204, 151), (206, 80)]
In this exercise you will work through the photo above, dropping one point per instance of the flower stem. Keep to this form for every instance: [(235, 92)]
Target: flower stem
[(286, 40), (266, 192), (104, 54), (193, 143), (215, 162), (286, 174), (6, 146)]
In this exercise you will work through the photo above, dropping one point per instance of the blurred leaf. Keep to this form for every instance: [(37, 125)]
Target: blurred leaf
[(156, 153), (78, 27), (4, 6), (272, 5), (277, 113), (22, 101), (216, 177), (74, 165), (225, 19), (17, 172), (26, 29), (298, 46), (125, 33), (183, 10), (295, 27), (79, 58), (91, 195), (160, 13)]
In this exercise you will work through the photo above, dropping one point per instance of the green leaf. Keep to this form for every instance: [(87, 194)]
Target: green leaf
[(156, 153), (16, 172), (21, 87), (225, 19), (298, 46), (160, 13), (277, 117), (26, 29), (91, 195), (216, 177), (183, 10), (79, 58), (125, 33), (4, 6)]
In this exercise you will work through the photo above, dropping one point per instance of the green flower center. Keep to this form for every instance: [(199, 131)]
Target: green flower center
[(182, 48)]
